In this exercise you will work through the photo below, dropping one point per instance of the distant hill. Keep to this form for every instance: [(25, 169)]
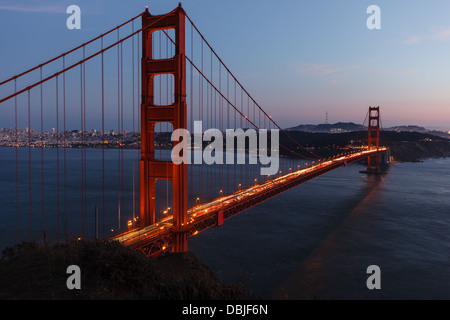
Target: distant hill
[(412, 128), (342, 127), (329, 128), (404, 146)]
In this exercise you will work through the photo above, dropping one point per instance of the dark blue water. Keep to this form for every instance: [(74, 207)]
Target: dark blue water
[(58, 194), (60, 207), (317, 240), (313, 241)]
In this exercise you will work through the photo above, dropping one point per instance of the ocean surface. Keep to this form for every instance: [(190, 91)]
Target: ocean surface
[(315, 241)]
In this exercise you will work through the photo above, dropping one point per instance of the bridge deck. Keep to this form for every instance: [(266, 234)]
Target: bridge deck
[(154, 239)]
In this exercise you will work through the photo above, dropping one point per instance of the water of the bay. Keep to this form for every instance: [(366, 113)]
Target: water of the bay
[(317, 240), (313, 241)]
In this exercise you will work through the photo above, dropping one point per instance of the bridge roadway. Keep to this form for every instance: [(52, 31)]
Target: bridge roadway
[(154, 239)]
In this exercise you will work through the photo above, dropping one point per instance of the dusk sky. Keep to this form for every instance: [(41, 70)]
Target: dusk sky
[(299, 59)]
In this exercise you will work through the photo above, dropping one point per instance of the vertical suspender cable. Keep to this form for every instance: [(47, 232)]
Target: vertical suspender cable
[(132, 134), (84, 146), (228, 126), (200, 173), (208, 187), (159, 125), (82, 141), (65, 155), (215, 125), (121, 127), (42, 153), (220, 123), (248, 168), (167, 127), (192, 117), (234, 169), (138, 86), (17, 162), (118, 131), (103, 142), (29, 166), (57, 157), (200, 112), (138, 92), (210, 120), (242, 111)]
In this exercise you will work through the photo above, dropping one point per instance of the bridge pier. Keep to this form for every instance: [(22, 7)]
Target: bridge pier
[(383, 159), (181, 241)]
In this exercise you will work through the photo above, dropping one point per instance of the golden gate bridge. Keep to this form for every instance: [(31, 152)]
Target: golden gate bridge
[(152, 78)]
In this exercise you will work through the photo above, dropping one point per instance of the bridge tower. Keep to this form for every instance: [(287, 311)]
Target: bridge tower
[(151, 169), (373, 162)]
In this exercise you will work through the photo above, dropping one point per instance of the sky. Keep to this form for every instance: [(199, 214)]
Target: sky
[(298, 59)]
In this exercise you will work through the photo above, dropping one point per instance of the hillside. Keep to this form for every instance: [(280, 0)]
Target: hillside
[(328, 128), (412, 128), (404, 146), (108, 271), (414, 146), (341, 127)]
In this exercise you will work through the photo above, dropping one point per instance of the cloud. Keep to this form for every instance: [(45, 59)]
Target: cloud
[(389, 72), (396, 72), (35, 9), (319, 69), (336, 73), (440, 34), (326, 69), (411, 40)]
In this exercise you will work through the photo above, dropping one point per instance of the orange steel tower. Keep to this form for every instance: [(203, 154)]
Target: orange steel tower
[(152, 170), (373, 164)]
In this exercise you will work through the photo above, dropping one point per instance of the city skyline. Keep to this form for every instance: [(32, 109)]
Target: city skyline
[(323, 58)]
